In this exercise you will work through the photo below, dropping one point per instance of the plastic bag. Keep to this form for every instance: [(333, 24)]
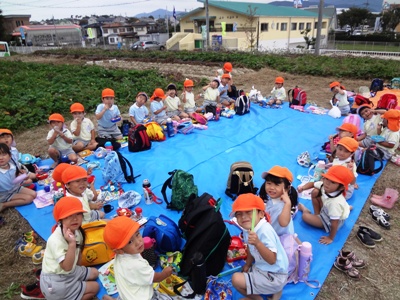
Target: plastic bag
[(334, 112)]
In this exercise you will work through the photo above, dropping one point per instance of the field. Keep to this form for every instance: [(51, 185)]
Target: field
[(55, 80)]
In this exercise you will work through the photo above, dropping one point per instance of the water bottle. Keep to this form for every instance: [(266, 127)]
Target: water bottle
[(319, 170), (58, 193), (148, 253), (217, 113), (305, 258), (108, 146), (170, 128)]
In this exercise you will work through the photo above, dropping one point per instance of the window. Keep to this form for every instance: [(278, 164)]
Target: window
[(277, 26), (301, 26), (294, 26), (121, 29), (112, 40), (105, 30), (129, 29), (283, 26), (229, 27), (18, 23), (323, 24), (308, 26), (264, 26), (115, 30)]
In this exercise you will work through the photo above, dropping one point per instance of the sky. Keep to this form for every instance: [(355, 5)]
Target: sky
[(46, 9)]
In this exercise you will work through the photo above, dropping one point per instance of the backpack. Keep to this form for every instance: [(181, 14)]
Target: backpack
[(242, 104), (138, 139), (355, 120), (234, 93), (297, 96), (185, 127), (115, 168), (366, 164), (360, 100), (165, 232), (240, 180), (207, 241), (376, 85), (95, 251), (155, 132), (101, 141), (211, 108), (387, 101), (182, 188), (218, 289), (199, 118), (395, 83)]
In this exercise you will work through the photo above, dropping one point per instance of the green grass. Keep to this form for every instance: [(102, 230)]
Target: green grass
[(367, 47)]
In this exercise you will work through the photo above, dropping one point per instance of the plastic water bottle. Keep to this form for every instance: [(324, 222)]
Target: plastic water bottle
[(319, 170), (305, 258), (108, 146), (170, 128), (217, 113), (58, 193), (149, 253)]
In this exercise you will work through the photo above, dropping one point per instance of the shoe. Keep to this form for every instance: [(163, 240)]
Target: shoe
[(365, 239), (37, 273), (37, 258), (31, 291), (380, 220), (373, 235), (350, 255), (20, 242), (344, 265), (380, 211), (30, 237), (29, 249), (293, 211)]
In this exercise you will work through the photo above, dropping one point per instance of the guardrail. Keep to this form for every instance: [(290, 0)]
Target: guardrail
[(360, 52)]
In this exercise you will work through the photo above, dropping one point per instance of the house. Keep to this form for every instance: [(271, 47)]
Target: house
[(118, 33), (245, 26), (11, 22), (50, 35)]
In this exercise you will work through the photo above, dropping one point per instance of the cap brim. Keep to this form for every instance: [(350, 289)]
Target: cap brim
[(135, 227)]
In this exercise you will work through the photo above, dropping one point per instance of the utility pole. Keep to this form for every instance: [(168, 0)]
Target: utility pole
[(207, 27), (318, 39)]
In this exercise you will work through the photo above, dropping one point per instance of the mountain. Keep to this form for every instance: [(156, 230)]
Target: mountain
[(159, 13), (371, 5)]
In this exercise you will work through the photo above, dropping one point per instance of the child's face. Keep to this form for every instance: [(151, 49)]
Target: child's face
[(278, 85), (108, 101), (189, 89), (244, 218), (273, 190), (157, 99), (140, 100), (57, 124), (385, 122), (366, 114), (214, 84), (73, 222), (342, 153), (172, 93), (77, 187), (224, 81), (78, 115), (335, 89), (135, 244), (6, 139), (343, 134), (330, 186), (4, 158)]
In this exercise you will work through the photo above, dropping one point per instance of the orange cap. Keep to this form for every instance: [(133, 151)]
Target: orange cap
[(119, 231), (279, 171), (340, 174), (67, 206), (362, 107), (333, 84), (227, 76), (349, 127), (247, 202), (73, 173), (56, 117), (57, 172), (188, 83), (5, 130), (77, 107), (228, 67), (158, 93), (107, 93), (393, 118), (279, 80), (349, 143)]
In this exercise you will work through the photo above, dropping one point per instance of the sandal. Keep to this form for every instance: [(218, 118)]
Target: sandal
[(365, 239), (29, 249), (395, 159), (373, 235), (350, 255), (380, 220), (344, 265), (379, 211)]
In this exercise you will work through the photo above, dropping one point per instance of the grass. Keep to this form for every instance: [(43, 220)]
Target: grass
[(368, 46)]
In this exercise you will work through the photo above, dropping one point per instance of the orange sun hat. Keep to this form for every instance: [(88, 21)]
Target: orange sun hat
[(279, 80), (107, 93), (349, 128), (340, 174), (73, 173), (158, 93), (56, 117), (67, 206), (119, 231), (77, 107), (393, 118), (228, 67), (279, 171), (349, 143), (247, 202)]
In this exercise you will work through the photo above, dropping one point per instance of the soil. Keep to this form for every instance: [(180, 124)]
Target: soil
[(379, 279)]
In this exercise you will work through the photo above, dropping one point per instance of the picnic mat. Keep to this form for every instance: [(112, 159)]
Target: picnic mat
[(265, 137)]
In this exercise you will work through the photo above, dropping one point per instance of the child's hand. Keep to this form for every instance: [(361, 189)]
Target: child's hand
[(246, 268), (300, 189), (253, 238), (350, 165), (164, 107), (285, 197), (69, 236), (57, 129), (167, 271), (326, 240)]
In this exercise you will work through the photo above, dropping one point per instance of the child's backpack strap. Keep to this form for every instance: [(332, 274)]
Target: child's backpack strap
[(167, 183)]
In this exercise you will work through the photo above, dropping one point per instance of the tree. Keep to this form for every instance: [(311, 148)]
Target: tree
[(354, 17), (250, 28), (310, 41), (390, 19)]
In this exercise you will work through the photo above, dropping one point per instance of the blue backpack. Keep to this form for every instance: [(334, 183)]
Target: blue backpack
[(165, 232), (116, 168)]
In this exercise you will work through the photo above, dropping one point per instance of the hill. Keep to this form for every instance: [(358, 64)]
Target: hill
[(374, 6)]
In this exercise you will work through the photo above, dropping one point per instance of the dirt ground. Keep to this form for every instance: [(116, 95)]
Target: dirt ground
[(379, 279)]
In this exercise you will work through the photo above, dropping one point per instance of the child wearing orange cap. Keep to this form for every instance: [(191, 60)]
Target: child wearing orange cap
[(188, 98), (11, 192), (75, 179), (157, 106), (108, 115), (328, 199), (62, 277), (60, 140), (346, 129), (223, 89), (134, 276), (7, 137), (226, 69), (266, 268), (211, 95), (280, 198), (138, 112), (340, 97), (174, 105), (82, 129), (372, 118), (278, 93)]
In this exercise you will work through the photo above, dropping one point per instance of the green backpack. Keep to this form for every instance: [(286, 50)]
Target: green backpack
[(183, 188)]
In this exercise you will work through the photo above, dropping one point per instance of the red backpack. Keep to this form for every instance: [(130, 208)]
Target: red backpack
[(297, 96), (360, 100), (387, 101)]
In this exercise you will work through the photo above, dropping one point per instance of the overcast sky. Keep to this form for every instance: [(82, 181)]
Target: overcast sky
[(46, 9)]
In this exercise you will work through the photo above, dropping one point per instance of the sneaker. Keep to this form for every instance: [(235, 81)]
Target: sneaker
[(37, 258), (376, 237), (350, 255), (30, 237), (344, 265), (31, 291), (29, 249), (365, 239), (379, 211), (380, 220)]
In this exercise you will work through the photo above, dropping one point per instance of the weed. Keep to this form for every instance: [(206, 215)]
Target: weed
[(12, 290)]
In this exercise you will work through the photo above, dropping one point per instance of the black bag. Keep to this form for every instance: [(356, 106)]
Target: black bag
[(240, 180), (376, 85), (234, 93), (101, 141), (242, 104), (138, 140), (366, 164), (211, 108), (125, 164), (207, 241)]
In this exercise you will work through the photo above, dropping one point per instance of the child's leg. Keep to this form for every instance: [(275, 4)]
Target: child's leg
[(73, 157), (309, 218), (92, 145), (278, 102), (24, 197), (316, 201), (239, 282), (271, 101), (54, 155), (183, 115), (92, 287), (78, 147)]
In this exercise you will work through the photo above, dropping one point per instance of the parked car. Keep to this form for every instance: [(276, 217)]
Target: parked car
[(357, 32), (147, 45)]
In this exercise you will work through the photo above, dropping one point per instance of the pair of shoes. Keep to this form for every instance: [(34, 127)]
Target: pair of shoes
[(37, 258), (380, 220), (368, 237), (380, 211), (20, 242), (30, 237), (344, 265), (29, 249), (395, 159), (376, 237), (351, 256), (31, 291)]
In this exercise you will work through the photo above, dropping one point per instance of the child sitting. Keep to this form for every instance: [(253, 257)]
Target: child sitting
[(157, 106), (106, 114), (82, 128), (60, 140), (328, 200), (173, 103), (138, 112), (7, 138), (187, 97), (62, 276), (211, 95), (346, 129), (278, 93), (12, 193), (223, 89), (134, 276), (372, 119), (266, 268), (340, 98)]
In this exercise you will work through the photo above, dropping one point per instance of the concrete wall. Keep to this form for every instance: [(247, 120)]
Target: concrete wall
[(54, 37)]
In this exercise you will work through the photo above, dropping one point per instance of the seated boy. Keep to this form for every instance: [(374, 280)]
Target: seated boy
[(211, 95), (372, 118), (106, 113), (278, 93), (173, 103), (82, 128), (223, 89), (138, 112)]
